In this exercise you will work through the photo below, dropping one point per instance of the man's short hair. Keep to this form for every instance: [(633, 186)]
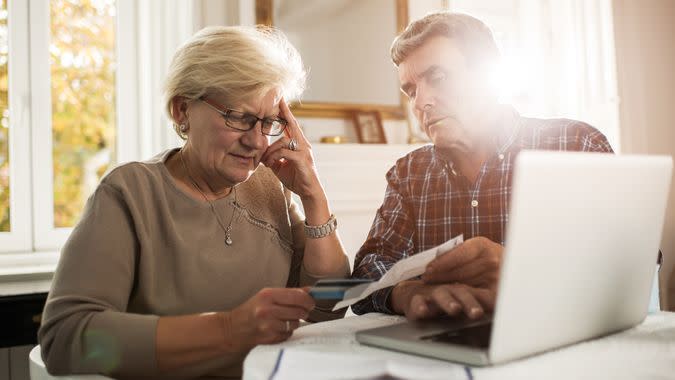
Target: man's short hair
[(475, 39)]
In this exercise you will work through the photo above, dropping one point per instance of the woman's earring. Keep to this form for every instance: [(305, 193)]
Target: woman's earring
[(183, 128)]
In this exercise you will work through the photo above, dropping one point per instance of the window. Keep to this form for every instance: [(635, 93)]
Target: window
[(58, 113), (14, 128), (65, 118), (82, 61), (4, 123), (557, 57), (73, 144)]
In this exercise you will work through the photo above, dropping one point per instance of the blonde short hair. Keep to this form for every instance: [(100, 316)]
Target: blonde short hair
[(475, 38), (235, 62)]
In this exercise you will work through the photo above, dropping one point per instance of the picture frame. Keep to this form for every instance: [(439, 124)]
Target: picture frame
[(368, 125)]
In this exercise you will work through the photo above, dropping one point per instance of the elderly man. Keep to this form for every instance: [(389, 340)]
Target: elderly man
[(461, 184)]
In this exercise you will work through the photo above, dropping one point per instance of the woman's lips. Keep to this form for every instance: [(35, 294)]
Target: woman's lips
[(246, 160)]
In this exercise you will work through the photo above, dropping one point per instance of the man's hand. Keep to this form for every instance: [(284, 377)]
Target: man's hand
[(476, 263), (417, 300)]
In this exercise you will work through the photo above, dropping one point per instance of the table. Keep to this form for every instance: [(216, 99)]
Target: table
[(647, 350)]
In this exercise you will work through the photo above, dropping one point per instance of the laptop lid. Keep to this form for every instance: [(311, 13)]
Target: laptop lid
[(581, 248)]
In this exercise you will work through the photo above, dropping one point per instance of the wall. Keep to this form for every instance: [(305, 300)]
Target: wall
[(645, 56), (339, 65), (242, 12), (355, 185)]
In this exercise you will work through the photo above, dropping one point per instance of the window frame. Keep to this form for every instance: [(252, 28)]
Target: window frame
[(19, 236), (46, 236), (147, 34), (579, 31), (30, 135)]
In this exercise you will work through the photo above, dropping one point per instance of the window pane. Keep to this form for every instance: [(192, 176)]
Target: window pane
[(82, 58), (4, 122)]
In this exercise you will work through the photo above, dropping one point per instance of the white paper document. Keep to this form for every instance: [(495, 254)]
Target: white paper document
[(294, 363), (405, 269)]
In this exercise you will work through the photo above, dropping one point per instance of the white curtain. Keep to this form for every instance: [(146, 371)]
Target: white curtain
[(558, 57), (160, 27)]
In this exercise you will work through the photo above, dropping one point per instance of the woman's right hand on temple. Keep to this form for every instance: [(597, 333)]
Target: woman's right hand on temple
[(266, 318)]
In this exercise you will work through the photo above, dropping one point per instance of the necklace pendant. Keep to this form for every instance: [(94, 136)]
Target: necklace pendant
[(228, 240)]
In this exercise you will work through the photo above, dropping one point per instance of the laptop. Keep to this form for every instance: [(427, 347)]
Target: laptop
[(580, 255)]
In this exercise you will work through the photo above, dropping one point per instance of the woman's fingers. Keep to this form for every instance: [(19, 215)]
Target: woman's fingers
[(293, 127), (282, 143), (289, 297), (273, 158), (280, 149), (278, 331), (281, 312)]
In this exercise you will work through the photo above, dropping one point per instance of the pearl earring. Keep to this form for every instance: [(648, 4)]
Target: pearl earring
[(183, 128)]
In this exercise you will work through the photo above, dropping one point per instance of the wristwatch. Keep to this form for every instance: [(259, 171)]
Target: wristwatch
[(316, 232)]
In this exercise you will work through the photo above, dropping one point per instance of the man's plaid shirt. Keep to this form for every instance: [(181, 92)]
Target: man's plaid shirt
[(427, 203)]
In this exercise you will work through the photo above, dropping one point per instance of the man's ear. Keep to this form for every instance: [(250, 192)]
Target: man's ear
[(179, 105)]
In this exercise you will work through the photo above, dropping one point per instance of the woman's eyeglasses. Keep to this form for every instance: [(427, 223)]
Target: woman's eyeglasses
[(242, 121)]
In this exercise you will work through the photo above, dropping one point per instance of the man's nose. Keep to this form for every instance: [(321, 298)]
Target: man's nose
[(423, 100)]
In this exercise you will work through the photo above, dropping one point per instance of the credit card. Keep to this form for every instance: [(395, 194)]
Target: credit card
[(334, 289)]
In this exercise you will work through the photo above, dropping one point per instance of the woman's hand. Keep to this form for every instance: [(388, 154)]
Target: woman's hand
[(294, 168), (268, 317)]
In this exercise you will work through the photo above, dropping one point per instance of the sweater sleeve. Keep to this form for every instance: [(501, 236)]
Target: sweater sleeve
[(85, 327)]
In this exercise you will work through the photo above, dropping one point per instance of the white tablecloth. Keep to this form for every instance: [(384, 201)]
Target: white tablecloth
[(645, 351)]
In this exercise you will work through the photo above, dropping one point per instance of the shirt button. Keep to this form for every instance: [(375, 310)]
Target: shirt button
[(474, 203), (501, 156)]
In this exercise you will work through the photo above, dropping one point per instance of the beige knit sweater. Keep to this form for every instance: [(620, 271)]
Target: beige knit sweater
[(145, 249)]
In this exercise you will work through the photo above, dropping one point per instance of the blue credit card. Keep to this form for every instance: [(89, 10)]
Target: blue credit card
[(334, 289)]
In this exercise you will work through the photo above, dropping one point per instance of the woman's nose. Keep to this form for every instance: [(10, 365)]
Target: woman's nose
[(254, 138)]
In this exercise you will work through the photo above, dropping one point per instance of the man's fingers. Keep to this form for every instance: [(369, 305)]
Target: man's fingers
[(442, 296), (460, 273), (468, 260), (472, 308), (417, 307), (486, 297), (421, 308), (451, 299), (476, 272), (462, 254)]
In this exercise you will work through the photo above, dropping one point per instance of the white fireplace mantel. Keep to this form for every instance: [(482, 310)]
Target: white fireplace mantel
[(353, 176)]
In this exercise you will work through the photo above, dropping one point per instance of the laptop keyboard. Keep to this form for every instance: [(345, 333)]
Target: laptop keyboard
[(476, 336)]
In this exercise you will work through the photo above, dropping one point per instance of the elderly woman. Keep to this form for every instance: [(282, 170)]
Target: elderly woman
[(183, 263)]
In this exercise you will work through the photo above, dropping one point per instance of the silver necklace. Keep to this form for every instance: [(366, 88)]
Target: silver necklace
[(228, 229)]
